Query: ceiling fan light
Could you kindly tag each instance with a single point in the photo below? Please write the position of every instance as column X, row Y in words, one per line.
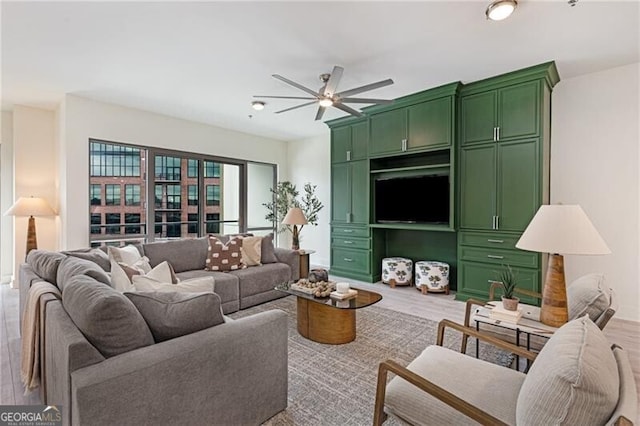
column 500, row 9
column 326, row 102
column 257, row 105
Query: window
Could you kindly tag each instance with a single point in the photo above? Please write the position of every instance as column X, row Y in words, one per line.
column 213, row 195
column 173, row 230
column 132, row 218
column 167, row 168
column 158, row 227
column 193, row 226
column 95, row 194
column 132, row 195
column 192, row 168
column 173, row 197
column 112, row 195
column 108, row 159
column 213, row 223
column 112, row 218
column 211, row 169
column 96, row 221
column 192, row 195
column 158, row 197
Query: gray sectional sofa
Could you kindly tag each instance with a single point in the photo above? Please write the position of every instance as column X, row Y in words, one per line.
column 232, row 373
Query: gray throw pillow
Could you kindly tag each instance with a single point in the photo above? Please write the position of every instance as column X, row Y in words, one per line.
column 268, row 253
column 108, row 320
column 173, row 314
column 587, row 295
column 573, row 381
column 45, row 264
column 95, row 255
column 72, row 266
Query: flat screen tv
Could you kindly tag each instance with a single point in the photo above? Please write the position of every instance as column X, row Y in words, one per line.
column 412, row 199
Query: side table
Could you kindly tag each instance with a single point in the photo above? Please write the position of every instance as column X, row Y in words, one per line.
column 304, row 262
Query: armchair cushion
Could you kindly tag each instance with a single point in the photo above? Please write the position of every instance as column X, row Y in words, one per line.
column 574, row 379
column 490, row 387
column 587, row 295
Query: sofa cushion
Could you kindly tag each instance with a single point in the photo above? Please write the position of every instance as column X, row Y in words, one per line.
column 194, row 285
column 72, row 266
column 574, row 380
column 99, row 257
column 268, row 254
column 172, row 314
column 45, row 264
column 251, row 251
column 108, row 319
column 253, row 281
column 227, row 285
column 183, row 255
column 223, row 257
column 587, row 295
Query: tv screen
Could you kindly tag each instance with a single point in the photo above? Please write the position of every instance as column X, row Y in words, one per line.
column 413, row 199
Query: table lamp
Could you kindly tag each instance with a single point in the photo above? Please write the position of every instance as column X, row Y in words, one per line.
column 31, row 206
column 295, row 217
column 559, row 229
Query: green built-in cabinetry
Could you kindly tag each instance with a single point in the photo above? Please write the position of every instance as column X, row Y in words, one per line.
column 503, row 175
column 490, row 137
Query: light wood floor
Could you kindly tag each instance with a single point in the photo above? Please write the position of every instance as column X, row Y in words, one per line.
column 403, row 299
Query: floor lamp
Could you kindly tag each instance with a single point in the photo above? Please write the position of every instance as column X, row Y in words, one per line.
column 560, row 229
column 295, row 217
column 31, row 206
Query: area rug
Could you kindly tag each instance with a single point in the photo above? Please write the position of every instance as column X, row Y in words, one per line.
column 336, row 384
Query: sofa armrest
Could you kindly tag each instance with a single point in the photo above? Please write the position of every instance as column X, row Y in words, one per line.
column 291, row 258
column 234, row 373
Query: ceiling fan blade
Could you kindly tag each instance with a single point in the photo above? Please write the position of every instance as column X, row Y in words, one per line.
column 283, row 97
column 320, row 112
column 367, row 101
column 365, row 88
column 294, row 84
column 347, row 109
column 334, row 79
column 296, row 107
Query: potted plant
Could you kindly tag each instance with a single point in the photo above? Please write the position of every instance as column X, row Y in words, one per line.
column 508, row 280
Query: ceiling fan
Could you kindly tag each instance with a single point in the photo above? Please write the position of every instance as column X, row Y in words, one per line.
column 327, row 95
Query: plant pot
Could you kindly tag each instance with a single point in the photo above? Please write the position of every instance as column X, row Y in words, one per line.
column 510, row 304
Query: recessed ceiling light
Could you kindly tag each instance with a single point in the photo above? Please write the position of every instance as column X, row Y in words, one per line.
column 257, row 105
column 500, row 9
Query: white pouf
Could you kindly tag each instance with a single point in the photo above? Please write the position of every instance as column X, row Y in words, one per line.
column 397, row 271
column 432, row 276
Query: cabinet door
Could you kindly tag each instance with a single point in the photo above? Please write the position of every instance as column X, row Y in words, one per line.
column 340, row 143
column 478, row 117
column 477, row 186
column 519, row 114
column 474, row 279
column 359, row 192
column 388, row 129
column 359, row 140
column 430, row 124
column 340, row 192
column 518, row 184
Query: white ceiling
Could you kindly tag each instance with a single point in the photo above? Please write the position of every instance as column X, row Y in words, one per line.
column 204, row 61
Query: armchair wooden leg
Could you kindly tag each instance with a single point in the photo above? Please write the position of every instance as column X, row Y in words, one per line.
column 379, row 416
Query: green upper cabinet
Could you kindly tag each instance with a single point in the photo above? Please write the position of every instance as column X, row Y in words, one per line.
column 388, row 132
column 350, row 192
column 429, row 124
column 501, row 114
column 349, row 142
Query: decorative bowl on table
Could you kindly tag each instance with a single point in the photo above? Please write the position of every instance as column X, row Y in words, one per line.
column 318, row 289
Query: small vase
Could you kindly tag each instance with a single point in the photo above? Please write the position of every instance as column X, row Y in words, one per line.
column 510, row 304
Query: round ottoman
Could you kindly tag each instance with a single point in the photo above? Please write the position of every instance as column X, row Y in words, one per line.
column 432, row 276
column 397, row 271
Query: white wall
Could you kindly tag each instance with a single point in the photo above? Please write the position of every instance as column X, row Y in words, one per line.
column 82, row 119
column 309, row 161
column 595, row 163
column 6, row 198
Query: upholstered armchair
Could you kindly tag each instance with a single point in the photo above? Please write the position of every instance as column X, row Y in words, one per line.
column 577, row 378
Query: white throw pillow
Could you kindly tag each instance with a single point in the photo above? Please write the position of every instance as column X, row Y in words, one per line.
column 127, row 254
column 251, row 251
column 193, row 285
column 122, row 275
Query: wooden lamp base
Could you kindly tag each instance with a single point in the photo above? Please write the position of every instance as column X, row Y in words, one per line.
column 32, row 242
column 295, row 241
column 554, row 311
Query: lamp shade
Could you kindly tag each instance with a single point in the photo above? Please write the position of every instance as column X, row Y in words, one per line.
column 30, row 206
column 295, row 216
column 562, row 229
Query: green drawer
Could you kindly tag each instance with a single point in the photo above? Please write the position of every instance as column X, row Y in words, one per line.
column 350, row 242
column 488, row 240
column 474, row 280
column 350, row 259
column 349, row 231
column 498, row 256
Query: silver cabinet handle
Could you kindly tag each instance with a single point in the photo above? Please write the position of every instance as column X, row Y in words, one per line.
column 347, row 242
column 493, row 222
column 404, row 145
column 494, row 281
column 497, row 133
column 494, row 134
column 348, row 217
column 495, row 241
column 348, row 155
column 497, row 222
column 493, row 256
column 348, row 231
column 348, row 259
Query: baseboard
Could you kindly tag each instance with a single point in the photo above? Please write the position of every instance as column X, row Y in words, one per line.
column 6, row 279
